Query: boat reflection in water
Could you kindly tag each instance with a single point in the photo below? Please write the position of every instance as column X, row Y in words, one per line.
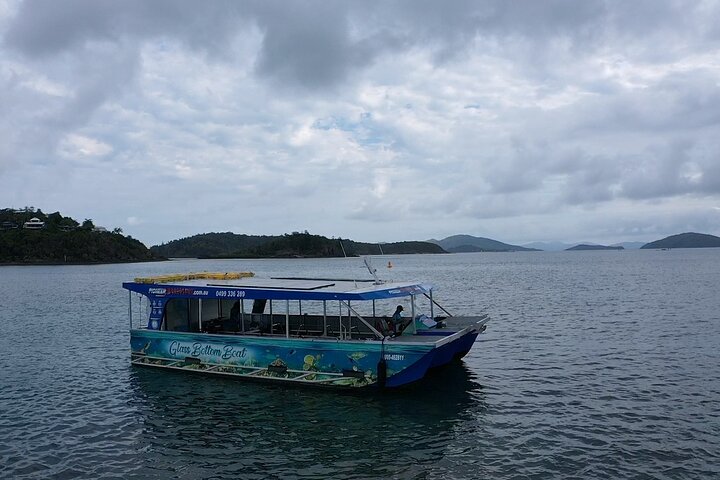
column 199, row 427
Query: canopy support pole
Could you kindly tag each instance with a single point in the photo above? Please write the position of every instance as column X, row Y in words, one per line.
column 340, row 325
column 432, row 305
column 372, row 329
column 440, row 306
column 324, row 318
column 287, row 318
column 412, row 307
column 130, row 308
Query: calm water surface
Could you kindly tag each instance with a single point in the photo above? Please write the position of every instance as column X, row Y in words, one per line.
column 595, row 365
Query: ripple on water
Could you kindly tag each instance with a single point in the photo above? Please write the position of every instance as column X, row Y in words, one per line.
column 595, row 365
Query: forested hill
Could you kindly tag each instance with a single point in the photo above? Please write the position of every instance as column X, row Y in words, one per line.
column 55, row 239
column 296, row 244
column 686, row 240
column 210, row 245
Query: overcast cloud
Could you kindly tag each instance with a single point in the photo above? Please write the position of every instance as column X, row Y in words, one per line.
column 379, row 121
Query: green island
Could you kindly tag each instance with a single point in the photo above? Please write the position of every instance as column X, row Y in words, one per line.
column 28, row 236
column 31, row 237
column 292, row 245
column 686, row 240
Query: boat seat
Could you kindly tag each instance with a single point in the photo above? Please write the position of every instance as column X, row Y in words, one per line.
column 382, row 325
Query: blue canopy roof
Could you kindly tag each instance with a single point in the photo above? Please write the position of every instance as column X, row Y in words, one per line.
column 279, row 289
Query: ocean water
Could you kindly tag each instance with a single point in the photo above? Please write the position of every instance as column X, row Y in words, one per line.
column 595, row 365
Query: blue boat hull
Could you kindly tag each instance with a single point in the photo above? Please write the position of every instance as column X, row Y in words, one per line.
column 313, row 361
column 453, row 350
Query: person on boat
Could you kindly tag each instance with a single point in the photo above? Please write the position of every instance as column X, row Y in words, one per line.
column 397, row 320
column 235, row 316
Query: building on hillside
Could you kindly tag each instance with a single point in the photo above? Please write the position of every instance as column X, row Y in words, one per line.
column 34, row 224
column 8, row 226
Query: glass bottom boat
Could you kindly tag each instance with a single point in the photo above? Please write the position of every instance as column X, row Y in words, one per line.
column 310, row 331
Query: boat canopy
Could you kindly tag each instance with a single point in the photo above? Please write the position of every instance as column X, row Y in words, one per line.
column 247, row 287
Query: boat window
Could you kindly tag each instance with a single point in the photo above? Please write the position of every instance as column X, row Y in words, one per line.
column 307, row 318
column 181, row 314
column 177, row 315
column 193, row 313
column 224, row 309
column 213, row 309
column 259, row 305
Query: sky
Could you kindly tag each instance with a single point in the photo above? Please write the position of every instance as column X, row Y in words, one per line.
column 378, row 121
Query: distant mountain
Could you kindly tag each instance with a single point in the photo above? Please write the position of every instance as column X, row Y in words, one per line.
column 629, row 245
column 686, row 240
column 468, row 243
column 560, row 246
column 584, row 246
column 548, row 246
column 296, row 244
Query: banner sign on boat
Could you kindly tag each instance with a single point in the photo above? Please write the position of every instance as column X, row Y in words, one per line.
column 295, row 354
column 206, row 350
column 301, row 291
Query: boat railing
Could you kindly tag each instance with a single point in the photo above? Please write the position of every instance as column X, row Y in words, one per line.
column 350, row 320
column 300, row 326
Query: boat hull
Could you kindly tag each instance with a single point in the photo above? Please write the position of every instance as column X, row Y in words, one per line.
column 322, row 362
column 454, row 350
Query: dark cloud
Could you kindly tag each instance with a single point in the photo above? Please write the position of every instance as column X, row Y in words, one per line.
column 42, row 28
column 317, row 44
column 46, row 27
column 310, row 48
